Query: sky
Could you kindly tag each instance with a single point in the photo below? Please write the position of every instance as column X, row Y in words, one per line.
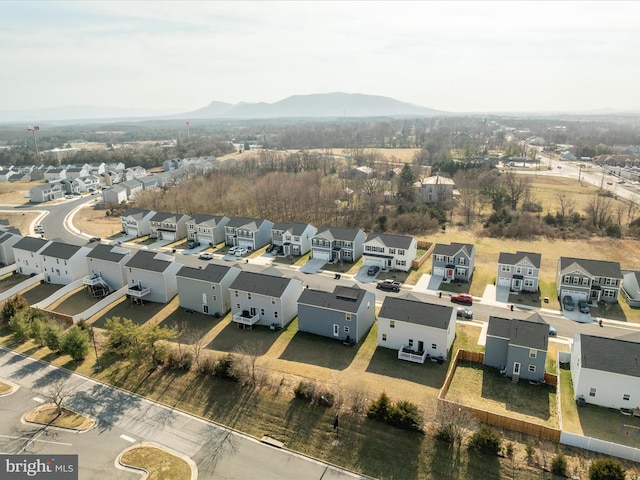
column 454, row 56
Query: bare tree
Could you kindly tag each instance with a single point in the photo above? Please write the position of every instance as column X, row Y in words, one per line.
column 517, row 188
column 454, row 421
column 566, row 204
column 58, row 393
column 245, row 367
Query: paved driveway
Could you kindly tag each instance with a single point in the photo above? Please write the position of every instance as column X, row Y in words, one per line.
column 125, row 420
column 313, row 266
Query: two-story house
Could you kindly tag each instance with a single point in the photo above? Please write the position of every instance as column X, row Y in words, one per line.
column 7, row 242
column 416, row 329
column 55, row 174
column 590, row 280
column 435, row 189
column 207, row 229
column 46, row 192
column 389, row 252
column 106, row 269
column 337, row 243
column 114, row 194
column 27, row 255
column 250, row 233
column 345, row 314
column 206, row 290
column 151, row 276
column 518, row 347
column 63, row 263
column 136, row 222
column 265, row 298
column 168, row 226
column 519, row 271
column 291, row 238
column 454, row 262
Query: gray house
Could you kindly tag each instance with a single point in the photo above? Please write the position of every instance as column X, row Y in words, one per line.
column 206, row 290
column 207, row 229
column 27, row 255
column 519, row 271
column 337, row 243
column 151, row 277
column 346, row 314
column 631, row 288
column 454, row 262
column 265, row 298
column 292, row 238
column 7, row 241
column 46, row 192
column 135, row 222
column 590, row 280
column 106, row 269
column 251, row 233
column 518, row 347
column 168, row 226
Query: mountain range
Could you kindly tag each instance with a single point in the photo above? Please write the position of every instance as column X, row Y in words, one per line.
column 325, row 105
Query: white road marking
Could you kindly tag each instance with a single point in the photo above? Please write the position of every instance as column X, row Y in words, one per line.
column 127, row 438
column 41, row 441
column 38, row 399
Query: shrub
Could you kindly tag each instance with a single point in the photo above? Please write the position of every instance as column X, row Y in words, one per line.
column 326, row 399
column 606, row 469
column 12, row 306
column 559, row 464
column 76, row 343
column 179, row 360
column 305, row 391
column 405, row 415
column 53, row 336
column 207, row 366
column 36, row 331
column 224, row 367
column 19, row 325
column 379, row 409
column 485, row 441
column 531, row 451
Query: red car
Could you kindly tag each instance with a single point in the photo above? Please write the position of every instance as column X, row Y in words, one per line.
column 463, row 298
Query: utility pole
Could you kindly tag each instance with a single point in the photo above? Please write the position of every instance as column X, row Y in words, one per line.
column 95, row 348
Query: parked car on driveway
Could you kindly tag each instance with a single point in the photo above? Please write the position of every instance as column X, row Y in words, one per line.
column 373, row 270
column 462, row 298
column 583, row 306
column 206, row 256
column 388, row 286
column 568, row 303
column 193, row 244
column 552, row 331
column 241, row 251
column 464, row 312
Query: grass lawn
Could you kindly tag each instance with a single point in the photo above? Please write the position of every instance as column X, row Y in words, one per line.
column 39, row 292
column 160, row 464
column 483, row 387
column 552, row 355
column 139, row 314
column 95, row 221
column 11, row 280
column 76, row 302
column 48, row 414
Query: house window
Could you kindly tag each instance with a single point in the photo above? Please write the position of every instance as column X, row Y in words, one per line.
column 401, row 263
column 626, row 397
column 214, row 298
column 249, row 295
column 608, row 293
column 529, row 271
column 518, row 269
column 410, row 342
column 348, row 316
column 346, row 329
column 392, row 251
column 275, row 314
column 566, row 279
column 384, row 337
column 585, row 281
column 236, row 293
column 528, row 283
column 434, row 346
column 505, row 268
column 461, row 272
column 592, row 392
column 400, row 251
column 576, row 280
column 273, row 301
column 533, row 353
column 238, row 306
column 532, row 368
column 462, row 261
column 262, row 312
column 392, row 323
column 204, row 298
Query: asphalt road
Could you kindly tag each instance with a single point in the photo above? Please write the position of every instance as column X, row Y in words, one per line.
column 124, row 420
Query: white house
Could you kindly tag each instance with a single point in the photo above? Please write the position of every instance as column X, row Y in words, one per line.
column 27, row 255
column 63, row 263
column 168, row 226
column 265, row 298
column 114, row 194
column 389, row 252
column 291, row 238
column 7, row 241
column 46, row 192
column 605, row 371
column 207, row 229
column 151, row 277
column 106, row 271
column 416, row 329
column 136, row 222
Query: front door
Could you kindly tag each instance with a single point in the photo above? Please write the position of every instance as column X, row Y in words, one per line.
column 253, row 311
column 336, row 330
column 516, row 285
column 449, row 272
column 421, row 346
column 516, row 368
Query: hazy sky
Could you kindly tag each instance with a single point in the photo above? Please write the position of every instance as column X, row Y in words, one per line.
column 454, row 56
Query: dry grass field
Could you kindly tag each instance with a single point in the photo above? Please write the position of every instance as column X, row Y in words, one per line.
column 399, row 155
column 13, row 193
column 95, row 222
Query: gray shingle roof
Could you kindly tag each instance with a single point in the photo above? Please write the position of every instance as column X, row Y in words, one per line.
column 338, row 233
column 6, row 236
column 532, row 332
column 513, row 258
column 212, row 273
column 30, row 244
column 163, row 217
column 612, row 355
column 393, row 241
column 597, row 268
column 452, row 249
column 200, row 218
column 419, row 313
column 260, row 284
column 109, row 253
column 146, row 260
column 343, row 299
column 136, row 213
column 238, row 222
column 60, row 250
column 295, row 228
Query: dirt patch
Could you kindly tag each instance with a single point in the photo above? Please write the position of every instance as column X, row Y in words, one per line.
column 48, row 415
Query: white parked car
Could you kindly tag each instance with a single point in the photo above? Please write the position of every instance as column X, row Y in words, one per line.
column 241, row 251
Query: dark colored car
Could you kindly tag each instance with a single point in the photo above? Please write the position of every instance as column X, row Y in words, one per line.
column 583, row 306
column 388, row 286
column 568, row 303
column 94, row 239
column 374, row 269
column 552, row 331
column 462, row 298
column 191, row 245
column 464, row 312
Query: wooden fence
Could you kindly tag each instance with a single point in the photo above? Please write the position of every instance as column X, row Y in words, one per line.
column 490, row 418
column 417, row 263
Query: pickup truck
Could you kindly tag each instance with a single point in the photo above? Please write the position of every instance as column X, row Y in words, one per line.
column 388, row 286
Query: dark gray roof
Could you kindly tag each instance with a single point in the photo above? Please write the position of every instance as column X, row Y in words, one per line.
column 452, row 249
column 338, row 233
column 145, row 260
column 344, row 299
column 295, row 228
column 532, row 332
column 30, row 244
column 260, row 284
column 212, row 273
column 199, row 218
column 6, row 236
column 238, row 222
column 513, row 258
column 134, row 182
column 613, row 355
column 136, row 213
column 596, row 268
column 163, row 216
column 106, row 252
column 419, row 313
column 393, row 241
column 60, row 250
